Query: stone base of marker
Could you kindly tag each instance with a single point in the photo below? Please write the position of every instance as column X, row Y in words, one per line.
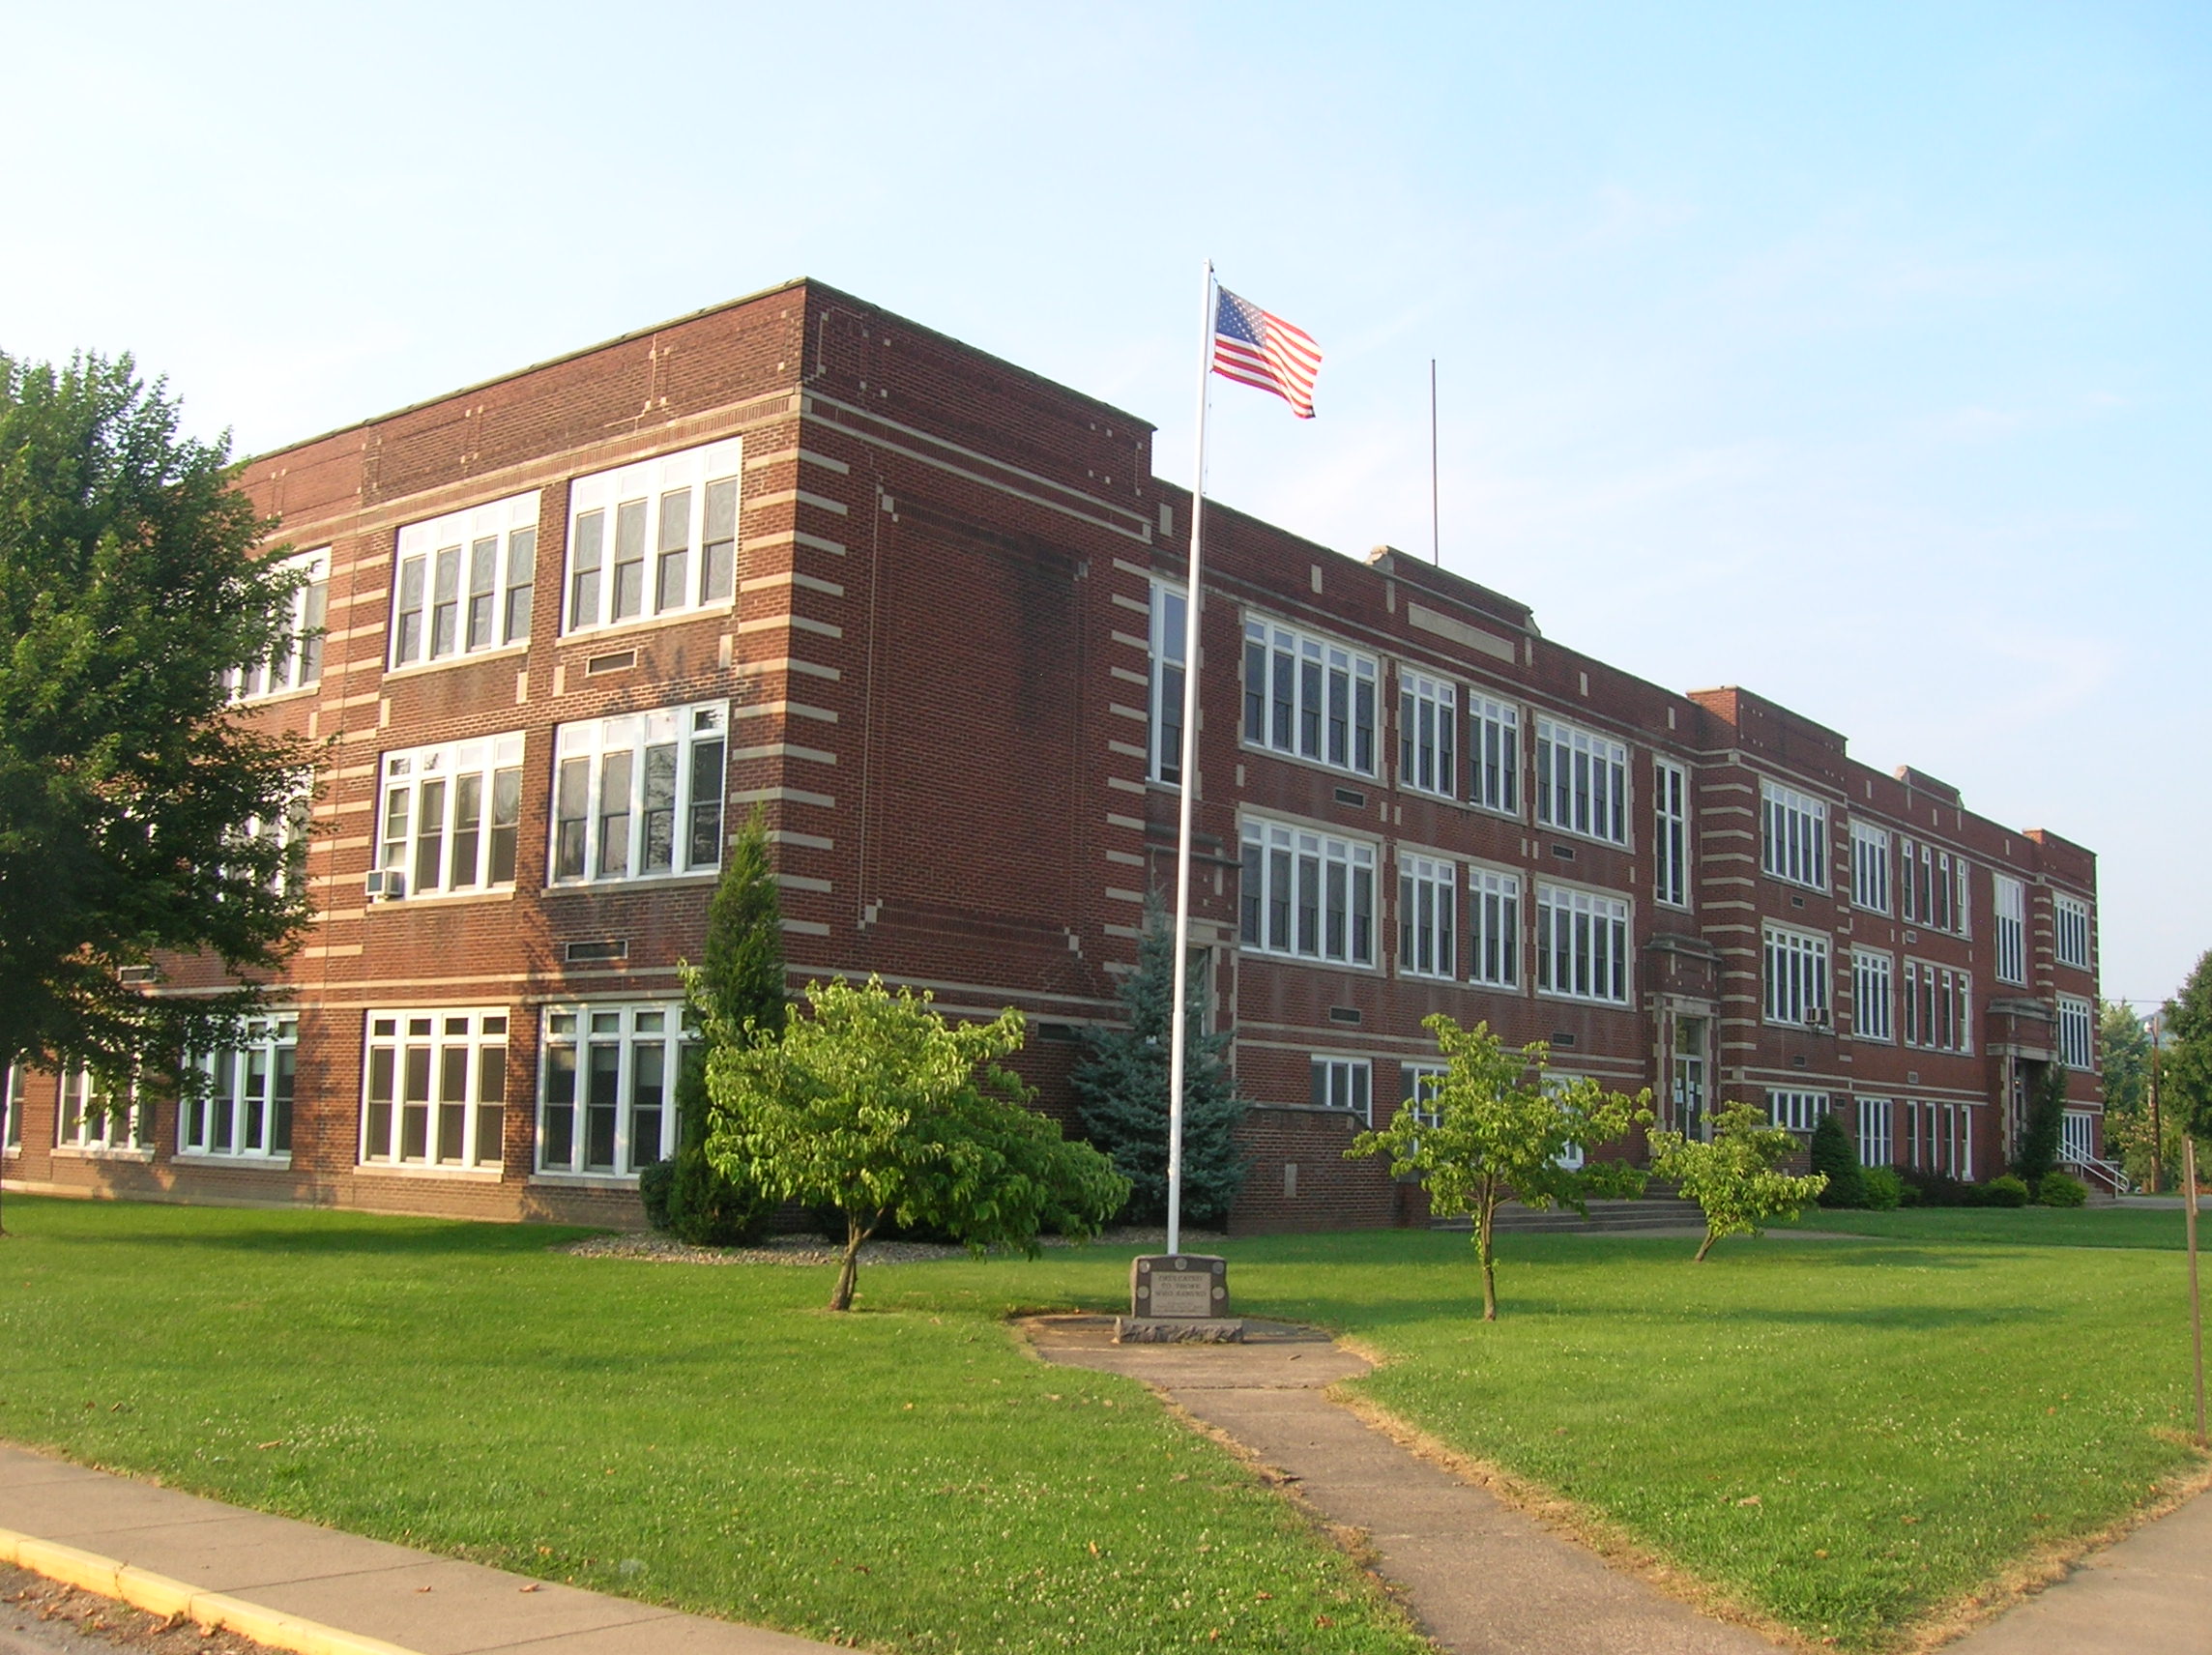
column 1177, row 1298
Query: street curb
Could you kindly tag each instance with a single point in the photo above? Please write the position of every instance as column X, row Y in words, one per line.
column 158, row 1594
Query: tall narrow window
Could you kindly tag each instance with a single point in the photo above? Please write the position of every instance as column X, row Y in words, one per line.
column 606, row 1099
column 1428, row 725
column 1873, row 996
column 435, row 1089
column 2010, row 904
column 1494, row 927
column 2076, row 1019
column 1493, row 754
column 1671, row 842
column 448, row 815
column 1869, row 868
column 1169, row 624
column 12, row 1102
column 1876, row 1147
column 1793, row 841
column 640, row 795
column 656, row 537
column 297, row 660
column 1427, row 897
column 1319, row 698
column 2070, row 916
column 1581, row 782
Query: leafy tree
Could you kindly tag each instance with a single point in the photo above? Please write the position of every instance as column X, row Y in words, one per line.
column 874, row 1104
column 2185, row 1068
column 1122, row 1091
column 1492, row 1128
column 738, row 995
column 1837, row 1158
column 2123, row 1041
column 1733, row 1179
column 130, row 782
column 2041, row 1132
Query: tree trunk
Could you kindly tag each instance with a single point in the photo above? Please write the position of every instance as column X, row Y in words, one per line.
column 1705, row 1246
column 1486, row 1251
column 856, row 1236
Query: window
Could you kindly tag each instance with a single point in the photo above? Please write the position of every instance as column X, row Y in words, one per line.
column 1873, row 1007
column 639, row 795
column 1932, row 889
column 2077, row 1136
column 1796, row 977
column 1428, row 895
column 11, row 1105
column 1342, row 1082
column 286, row 834
column 2012, row 931
column 2071, row 915
column 1940, row 1137
column 463, row 582
column 449, row 817
column 1938, row 1005
column 1581, row 782
column 296, row 662
column 1308, row 697
column 1417, row 1084
column 1428, row 719
column 1876, row 1147
column 1169, row 623
column 1869, row 868
column 1308, row 895
column 1799, row 1111
column 95, row 1119
column 607, row 1103
column 437, row 1088
column 1582, row 944
column 245, row 1107
column 1670, row 835
column 1793, row 845
column 1494, row 928
column 1494, row 755
column 658, row 538
column 2075, row 1020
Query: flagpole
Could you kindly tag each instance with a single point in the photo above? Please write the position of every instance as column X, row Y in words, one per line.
column 1178, row 1030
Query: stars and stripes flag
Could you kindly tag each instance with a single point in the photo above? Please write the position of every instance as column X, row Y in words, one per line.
column 1263, row 351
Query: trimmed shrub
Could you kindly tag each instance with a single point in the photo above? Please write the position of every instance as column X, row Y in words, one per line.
column 1833, row 1153
column 2003, row 1190
column 2062, row 1189
column 710, row 1209
column 2040, row 1133
column 1884, row 1190
column 1614, row 1180
column 1935, row 1189
column 653, row 1186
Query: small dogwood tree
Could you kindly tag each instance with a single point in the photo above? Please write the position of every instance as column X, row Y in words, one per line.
column 1733, row 1179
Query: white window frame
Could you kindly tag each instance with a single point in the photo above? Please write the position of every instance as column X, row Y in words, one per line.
column 2070, row 930
column 1874, row 996
column 618, row 1042
column 1583, row 942
column 2011, row 927
column 456, row 1123
column 1494, row 755
column 1876, row 1132
column 1796, row 1110
column 464, row 583
column 85, row 1124
column 1428, row 734
column 13, row 1101
column 1931, row 886
column 1870, row 867
column 1793, row 835
column 2077, row 1041
column 1417, row 1084
column 242, row 1109
column 1671, row 833
column 2077, row 1136
column 1494, row 927
column 600, row 764
column 289, row 832
column 439, row 804
column 1163, row 751
column 297, row 661
column 682, row 567
column 1938, row 1008
column 1427, row 907
column 1324, row 679
column 1344, row 1084
column 1277, row 857
column 1796, row 976
column 1582, row 781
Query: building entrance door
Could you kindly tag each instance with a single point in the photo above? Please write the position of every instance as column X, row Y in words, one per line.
column 1690, row 1076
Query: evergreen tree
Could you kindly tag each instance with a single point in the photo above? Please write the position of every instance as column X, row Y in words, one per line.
column 736, row 995
column 1835, row 1155
column 2040, row 1133
column 1122, row 1091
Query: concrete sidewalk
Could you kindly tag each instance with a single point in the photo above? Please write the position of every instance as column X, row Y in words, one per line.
column 373, row 1590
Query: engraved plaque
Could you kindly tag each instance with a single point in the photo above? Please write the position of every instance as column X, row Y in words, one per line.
column 1188, row 1286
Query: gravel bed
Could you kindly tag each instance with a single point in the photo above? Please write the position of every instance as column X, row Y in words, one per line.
column 662, row 1249
column 38, row 1615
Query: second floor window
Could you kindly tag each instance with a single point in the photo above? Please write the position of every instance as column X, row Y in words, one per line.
column 640, row 795
column 1581, row 782
column 1671, row 824
column 1494, row 929
column 449, row 817
column 1428, row 720
column 1582, row 944
column 1793, row 840
column 297, row 661
column 463, row 582
column 2076, row 1018
column 1308, row 697
column 1938, row 1007
column 1170, row 618
column 2071, row 916
column 658, row 537
column 1873, row 996
column 1308, row 895
column 2012, row 931
column 1428, row 893
column 1796, row 977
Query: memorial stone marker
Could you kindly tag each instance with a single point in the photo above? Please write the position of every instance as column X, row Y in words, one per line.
column 1179, row 1297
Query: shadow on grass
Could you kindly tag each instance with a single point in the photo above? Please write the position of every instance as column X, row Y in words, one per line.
column 286, row 1230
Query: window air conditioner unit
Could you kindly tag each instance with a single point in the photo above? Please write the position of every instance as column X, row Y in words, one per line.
column 387, row 885
column 1815, row 1017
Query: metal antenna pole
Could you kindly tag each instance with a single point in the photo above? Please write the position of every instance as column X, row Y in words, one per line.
column 1435, row 519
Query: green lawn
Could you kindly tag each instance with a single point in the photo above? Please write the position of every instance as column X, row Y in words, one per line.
column 1846, row 1435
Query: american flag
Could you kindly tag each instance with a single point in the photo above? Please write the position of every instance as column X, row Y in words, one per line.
column 1256, row 349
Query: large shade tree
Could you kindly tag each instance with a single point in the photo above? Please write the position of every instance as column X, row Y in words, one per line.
column 138, row 803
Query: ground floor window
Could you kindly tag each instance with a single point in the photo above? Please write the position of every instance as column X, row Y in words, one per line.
column 436, row 1094
column 95, row 1117
column 1342, row 1082
column 11, row 1105
column 1939, row 1138
column 244, row 1109
column 1417, row 1084
column 606, row 1097
column 1876, row 1140
column 1799, row 1111
column 2077, row 1133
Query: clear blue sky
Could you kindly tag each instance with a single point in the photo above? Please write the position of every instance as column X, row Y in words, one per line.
column 1856, row 355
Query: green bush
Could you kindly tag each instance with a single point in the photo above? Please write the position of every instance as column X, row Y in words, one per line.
column 1885, row 1191
column 1833, row 1154
column 709, row 1209
column 2003, row 1190
column 1614, row 1180
column 653, row 1186
column 2061, row 1189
